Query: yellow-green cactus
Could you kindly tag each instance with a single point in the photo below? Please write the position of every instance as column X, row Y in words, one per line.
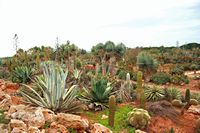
column 138, row 118
column 112, row 109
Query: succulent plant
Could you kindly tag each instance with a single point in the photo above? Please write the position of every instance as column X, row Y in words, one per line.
column 55, row 94
column 193, row 102
column 112, row 109
column 138, row 118
column 177, row 103
column 187, row 96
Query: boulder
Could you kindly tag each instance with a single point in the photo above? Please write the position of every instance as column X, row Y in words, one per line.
column 54, row 127
column 18, row 130
column 33, row 130
column 72, row 121
column 98, row 128
column 194, row 109
column 49, row 115
column 30, row 115
column 18, row 124
column 5, row 101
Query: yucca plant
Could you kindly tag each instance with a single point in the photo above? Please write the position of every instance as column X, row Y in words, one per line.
column 154, row 94
column 100, row 92
column 55, row 94
column 22, row 74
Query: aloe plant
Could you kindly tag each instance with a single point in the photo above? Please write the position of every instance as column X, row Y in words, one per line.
column 55, row 94
column 100, row 92
column 22, row 74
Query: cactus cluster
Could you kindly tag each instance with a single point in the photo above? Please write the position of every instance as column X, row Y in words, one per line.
column 112, row 109
column 193, row 102
column 138, row 118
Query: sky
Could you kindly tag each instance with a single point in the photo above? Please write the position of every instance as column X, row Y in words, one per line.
column 88, row 22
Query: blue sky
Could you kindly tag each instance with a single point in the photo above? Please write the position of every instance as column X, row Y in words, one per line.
column 88, row 22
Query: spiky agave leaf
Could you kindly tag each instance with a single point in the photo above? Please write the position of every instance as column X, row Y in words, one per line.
column 154, row 94
column 55, row 95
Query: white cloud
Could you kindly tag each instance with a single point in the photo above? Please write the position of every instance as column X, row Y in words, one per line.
column 85, row 23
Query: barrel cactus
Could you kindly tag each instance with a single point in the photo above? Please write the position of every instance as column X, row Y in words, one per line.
column 177, row 103
column 193, row 102
column 138, row 118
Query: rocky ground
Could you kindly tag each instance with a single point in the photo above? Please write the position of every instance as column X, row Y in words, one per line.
column 23, row 118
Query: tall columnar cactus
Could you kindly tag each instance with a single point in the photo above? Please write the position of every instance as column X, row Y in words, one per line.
column 112, row 109
column 187, row 96
column 140, row 92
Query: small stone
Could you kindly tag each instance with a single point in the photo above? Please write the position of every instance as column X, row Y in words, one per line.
column 104, row 117
column 98, row 128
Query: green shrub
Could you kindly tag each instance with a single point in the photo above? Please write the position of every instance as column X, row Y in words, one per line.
column 176, row 70
column 177, row 103
column 3, row 119
column 160, row 78
column 4, row 74
column 55, row 95
column 195, row 96
column 172, row 93
column 154, row 93
column 22, row 74
column 138, row 118
column 179, row 79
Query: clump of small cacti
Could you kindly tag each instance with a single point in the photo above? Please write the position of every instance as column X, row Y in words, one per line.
column 193, row 102
column 138, row 118
column 112, row 109
column 177, row 103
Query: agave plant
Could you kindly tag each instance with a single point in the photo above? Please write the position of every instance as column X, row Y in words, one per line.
column 22, row 74
column 77, row 74
column 154, row 94
column 100, row 92
column 55, row 94
column 172, row 93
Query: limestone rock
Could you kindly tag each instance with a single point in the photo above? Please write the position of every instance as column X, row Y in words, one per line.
column 5, row 101
column 98, row 128
column 72, row 121
column 33, row 130
column 194, row 109
column 30, row 115
column 18, row 124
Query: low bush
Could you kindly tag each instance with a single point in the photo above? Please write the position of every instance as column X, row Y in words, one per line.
column 176, row 70
column 179, row 79
column 160, row 78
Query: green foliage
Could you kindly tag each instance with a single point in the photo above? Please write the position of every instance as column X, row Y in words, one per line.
column 112, row 109
column 172, row 93
column 55, row 95
column 187, row 96
column 120, row 119
column 146, row 62
column 195, row 96
column 176, row 70
column 4, row 74
column 179, row 79
column 193, row 102
column 3, row 119
column 22, row 74
column 177, row 103
column 154, row 94
column 138, row 118
column 160, row 78
column 100, row 92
